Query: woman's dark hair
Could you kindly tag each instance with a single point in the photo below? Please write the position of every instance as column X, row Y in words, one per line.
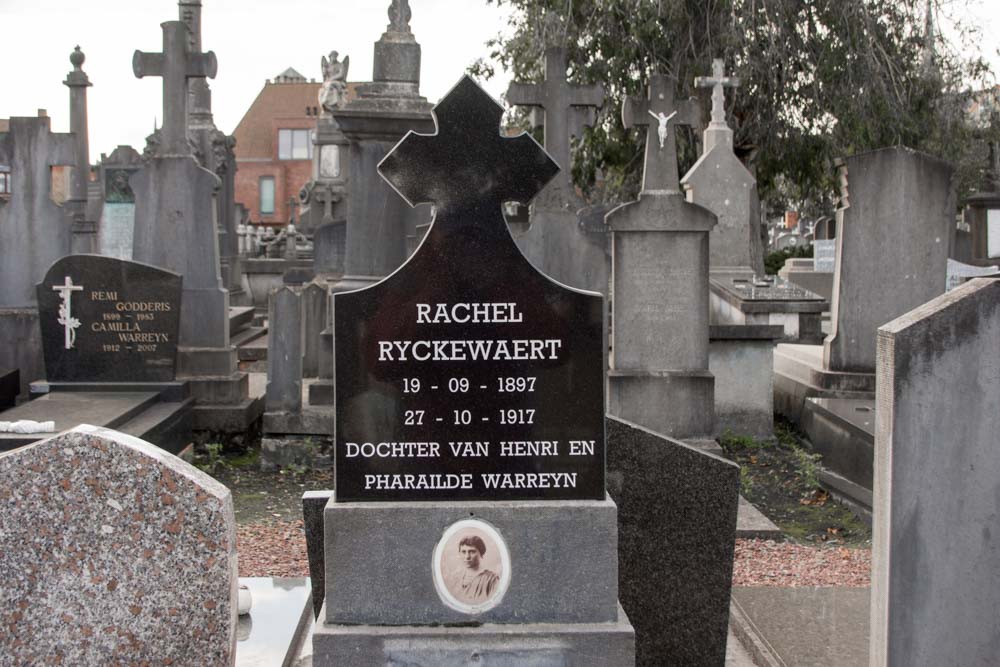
column 473, row 541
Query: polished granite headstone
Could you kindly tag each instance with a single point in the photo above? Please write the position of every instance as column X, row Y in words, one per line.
column 9, row 387
column 114, row 552
column 109, row 320
column 467, row 374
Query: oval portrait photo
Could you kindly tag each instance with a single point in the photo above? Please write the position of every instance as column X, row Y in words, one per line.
column 471, row 566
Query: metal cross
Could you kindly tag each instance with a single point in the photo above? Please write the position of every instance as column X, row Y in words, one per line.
column 65, row 311
column 660, row 172
column 176, row 64
column 561, row 102
column 717, row 82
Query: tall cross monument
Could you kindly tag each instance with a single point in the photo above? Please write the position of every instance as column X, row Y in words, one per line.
column 559, row 99
column 718, row 130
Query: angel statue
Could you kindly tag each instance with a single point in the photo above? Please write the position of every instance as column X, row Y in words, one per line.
column 334, row 90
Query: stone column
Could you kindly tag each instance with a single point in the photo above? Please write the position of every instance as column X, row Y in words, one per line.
column 84, row 231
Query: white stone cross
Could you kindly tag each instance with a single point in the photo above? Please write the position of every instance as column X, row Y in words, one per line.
column 717, row 82
column 66, row 319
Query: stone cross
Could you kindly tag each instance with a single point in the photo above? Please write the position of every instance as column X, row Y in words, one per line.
column 717, row 82
column 458, row 175
column 661, row 148
column 176, row 64
column 66, row 318
column 558, row 98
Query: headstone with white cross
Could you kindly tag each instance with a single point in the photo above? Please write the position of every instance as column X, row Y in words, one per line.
column 176, row 229
column 719, row 182
column 659, row 248
column 470, row 379
column 557, row 242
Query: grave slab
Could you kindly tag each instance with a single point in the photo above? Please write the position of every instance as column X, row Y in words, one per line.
column 67, row 409
column 803, row 626
column 271, row 635
column 124, row 551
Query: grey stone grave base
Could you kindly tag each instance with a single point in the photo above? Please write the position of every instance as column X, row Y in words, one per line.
column 801, row 272
column 562, row 559
column 799, row 374
column 741, row 357
column 643, row 396
column 496, row 645
column 157, row 413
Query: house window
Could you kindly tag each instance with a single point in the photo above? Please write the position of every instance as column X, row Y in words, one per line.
column 4, row 180
column 294, row 145
column 267, row 195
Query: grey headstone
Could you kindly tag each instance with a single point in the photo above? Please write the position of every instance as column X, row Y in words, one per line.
column 116, row 226
column 676, row 532
column 935, row 571
column 114, row 552
column 284, row 351
column 892, row 248
column 314, row 320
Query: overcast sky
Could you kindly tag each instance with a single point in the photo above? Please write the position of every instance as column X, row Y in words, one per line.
column 253, row 40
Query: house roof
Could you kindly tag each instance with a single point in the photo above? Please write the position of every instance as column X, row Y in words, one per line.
column 288, row 97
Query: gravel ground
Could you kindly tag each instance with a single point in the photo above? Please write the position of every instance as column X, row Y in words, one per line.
column 770, row 563
column 278, row 549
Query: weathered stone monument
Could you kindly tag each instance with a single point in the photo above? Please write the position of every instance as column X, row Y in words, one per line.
column 892, row 248
column 114, row 552
column 935, row 572
column 116, row 229
column 378, row 223
column 470, row 379
column 719, row 182
column 34, row 232
column 741, row 293
column 215, row 153
column 324, row 203
column 556, row 241
column 176, row 228
column 659, row 247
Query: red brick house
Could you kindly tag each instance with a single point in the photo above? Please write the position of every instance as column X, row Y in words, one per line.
column 274, row 146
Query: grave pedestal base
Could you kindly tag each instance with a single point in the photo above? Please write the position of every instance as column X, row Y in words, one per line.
column 536, row 644
column 676, row 404
column 563, row 558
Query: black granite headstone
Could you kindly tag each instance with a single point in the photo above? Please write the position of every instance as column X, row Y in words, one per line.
column 467, row 374
column 109, row 320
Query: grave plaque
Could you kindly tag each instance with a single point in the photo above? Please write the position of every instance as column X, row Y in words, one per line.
column 467, row 374
column 824, row 255
column 108, row 320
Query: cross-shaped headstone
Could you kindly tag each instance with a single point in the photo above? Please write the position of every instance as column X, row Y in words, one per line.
column 660, row 112
column 176, row 64
column 558, row 98
column 467, row 169
column 66, row 310
column 717, row 82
